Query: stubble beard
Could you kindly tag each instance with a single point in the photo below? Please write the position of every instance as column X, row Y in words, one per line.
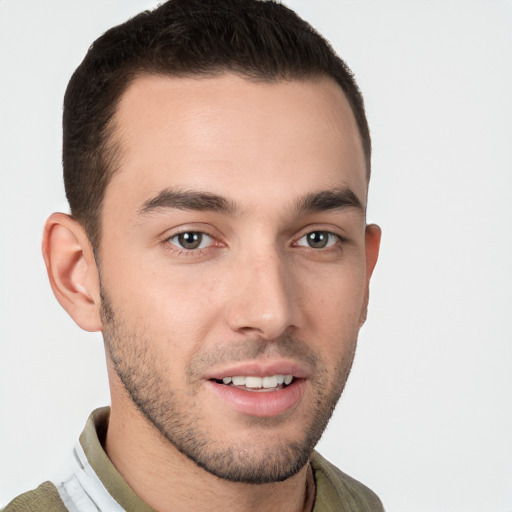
column 180, row 423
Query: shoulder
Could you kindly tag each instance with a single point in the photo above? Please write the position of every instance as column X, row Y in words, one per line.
column 44, row 498
column 339, row 491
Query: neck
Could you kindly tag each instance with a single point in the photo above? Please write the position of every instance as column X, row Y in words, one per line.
column 167, row 480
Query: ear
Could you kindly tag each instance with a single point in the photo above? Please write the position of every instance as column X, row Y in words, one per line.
column 72, row 270
column 372, row 242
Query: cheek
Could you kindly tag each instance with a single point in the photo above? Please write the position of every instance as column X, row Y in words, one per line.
column 173, row 306
column 333, row 312
column 336, row 296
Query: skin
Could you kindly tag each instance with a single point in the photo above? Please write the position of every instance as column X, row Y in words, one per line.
column 255, row 294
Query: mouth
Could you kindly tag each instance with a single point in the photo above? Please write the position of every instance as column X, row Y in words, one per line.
column 259, row 392
column 257, row 384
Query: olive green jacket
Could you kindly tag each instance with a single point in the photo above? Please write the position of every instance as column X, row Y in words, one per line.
column 335, row 491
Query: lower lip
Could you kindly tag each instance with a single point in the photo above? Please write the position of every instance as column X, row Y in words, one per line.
column 260, row 403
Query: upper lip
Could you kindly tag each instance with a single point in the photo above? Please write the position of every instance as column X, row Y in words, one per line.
column 259, row 369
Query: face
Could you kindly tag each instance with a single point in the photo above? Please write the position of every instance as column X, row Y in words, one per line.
column 234, row 265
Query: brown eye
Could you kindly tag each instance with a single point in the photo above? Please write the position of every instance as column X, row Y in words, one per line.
column 318, row 240
column 191, row 240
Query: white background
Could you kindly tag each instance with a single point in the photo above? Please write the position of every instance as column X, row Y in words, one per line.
column 426, row 419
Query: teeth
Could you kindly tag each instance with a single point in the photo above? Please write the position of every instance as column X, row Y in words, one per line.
column 253, row 382
column 239, row 381
column 269, row 382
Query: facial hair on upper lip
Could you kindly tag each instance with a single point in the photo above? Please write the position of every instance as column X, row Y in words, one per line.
column 256, row 349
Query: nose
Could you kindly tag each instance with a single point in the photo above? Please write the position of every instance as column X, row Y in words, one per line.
column 265, row 299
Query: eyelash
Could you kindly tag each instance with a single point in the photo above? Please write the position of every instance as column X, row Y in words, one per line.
column 190, row 251
column 334, row 240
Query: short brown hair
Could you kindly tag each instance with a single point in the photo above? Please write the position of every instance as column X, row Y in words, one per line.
column 261, row 40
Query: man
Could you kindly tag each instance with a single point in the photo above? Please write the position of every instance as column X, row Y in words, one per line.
column 216, row 161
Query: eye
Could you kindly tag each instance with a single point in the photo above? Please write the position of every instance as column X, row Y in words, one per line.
column 318, row 240
column 190, row 240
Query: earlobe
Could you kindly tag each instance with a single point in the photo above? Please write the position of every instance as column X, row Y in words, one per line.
column 372, row 243
column 72, row 270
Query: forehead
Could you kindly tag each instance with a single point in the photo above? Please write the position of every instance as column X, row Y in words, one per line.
column 227, row 134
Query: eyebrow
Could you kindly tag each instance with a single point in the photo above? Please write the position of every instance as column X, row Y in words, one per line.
column 188, row 200
column 324, row 200
column 335, row 199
